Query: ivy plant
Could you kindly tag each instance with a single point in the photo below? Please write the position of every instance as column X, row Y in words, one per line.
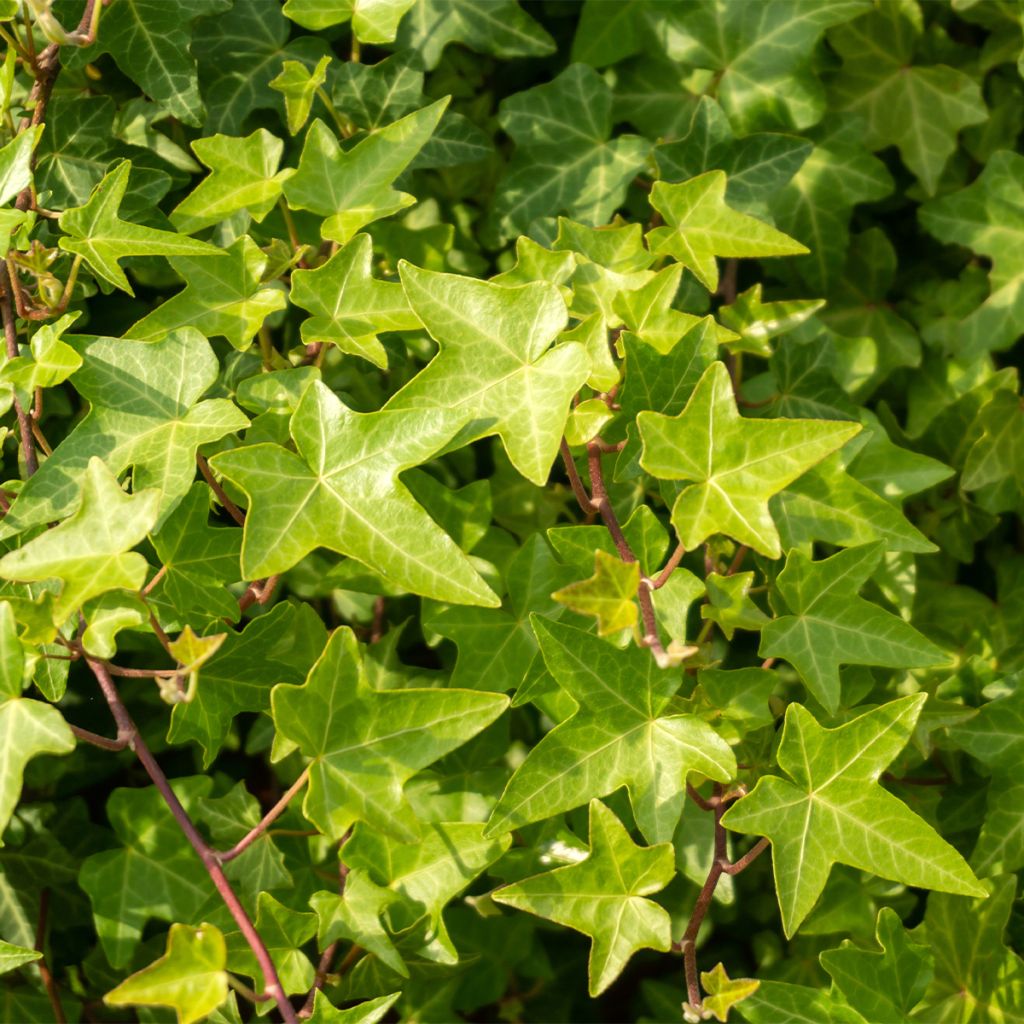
column 511, row 511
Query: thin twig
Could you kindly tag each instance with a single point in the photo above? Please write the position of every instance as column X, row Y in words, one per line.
column 121, row 743
column 670, row 567
column 28, row 445
column 704, row 805
column 44, row 970
column 585, row 502
column 737, row 561
column 269, row 818
column 747, row 859
column 229, row 506
column 126, row 726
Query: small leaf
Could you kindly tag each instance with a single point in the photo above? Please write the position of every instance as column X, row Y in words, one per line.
column 12, row 957
column 609, row 595
column 723, row 992
column 298, row 85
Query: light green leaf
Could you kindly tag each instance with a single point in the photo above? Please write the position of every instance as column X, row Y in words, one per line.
column 369, row 1012
column 12, row 957
column 623, row 733
column 341, row 491
column 373, row 21
column 835, row 812
column 298, row 85
column 51, row 363
column 735, row 464
column 243, row 176
column 603, row 896
column 190, row 977
column 609, row 595
column 723, row 992
column 830, row 625
column 353, row 187
column 145, row 413
column 700, row 226
column 366, row 744
column 999, row 453
column 97, row 233
column 494, row 362
column 349, row 307
column 91, row 551
column 729, row 604
column 16, row 163
column 757, row 322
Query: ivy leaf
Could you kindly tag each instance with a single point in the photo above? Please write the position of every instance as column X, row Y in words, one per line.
column 341, row 491
column 735, row 464
column 298, row 85
column 778, row 1002
column 885, row 985
column 190, row 977
column 243, row 176
column 501, row 28
column 723, row 992
column 998, row 454
column 603, row 896
column 152, row 45
column 101, row 237
column 369, row 1012
column 830, row 625
column 373, row 21
column 145, row 413
column 91, row 551
column 880, row 81
column 757, row 322
column 12, row 957
column 623, row 733
column 982, row 217
column 284, row 932
column 51, row 362
column 349, row 307
column 353, row 187
column 729, row 604
column 366, row 744
column 565, row 161
column 700, row 226
column 610, row 594
column 494, row 362
column 223, row 296
column 16, row 163
column 834, row 812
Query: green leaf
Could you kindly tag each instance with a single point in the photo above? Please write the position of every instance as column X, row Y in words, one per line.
column 223, row 296
column 91, row 551
column 609, row 595
column 145, row 413
column 564, row 160
column 12, row 957
column 353, row 187
column 700, row 226
column 723, row 992
column 51, row 363
column 623, row 733
column 349, row 307
column 190, row 977
column 284, row 932
column 999, row 453
column 880, row 81
column 778, row 1002
column 366, row 744
column 757, row 322
column 369, row 1012
column 243, row 176
column 16, row 163
column 373, row 21
column 729, row 604
column 494, row 362
column 96, row 232
column 885, row 985
column 735, row 464
column 829, row 625
column 834, row 812
column 341, row 491
column 298, row 85
column 603, row 896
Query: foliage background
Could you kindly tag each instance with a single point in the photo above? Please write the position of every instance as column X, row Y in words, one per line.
column 881, row 137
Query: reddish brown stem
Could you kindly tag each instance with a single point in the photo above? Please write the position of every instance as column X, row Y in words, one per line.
column 747, row 859
column 670, row 567
column 126, row 727
column 737, row 561
column 97, row 740
column 269, row 818
column 583, row 499
column 44, row 970
column 28, row 444
column 229, row 506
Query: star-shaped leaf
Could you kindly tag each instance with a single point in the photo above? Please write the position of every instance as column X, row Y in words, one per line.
column 369, row 1012
column 835, row 812
column 735, row 464
column 353, row 187
column 723, row 992
column 349, row 307
column 998, row 454
column 366, row 744
column 757, row 322
column 830, row 625
column 494, row 362
column 190, row 977
column 565, row 161
column 730, row 605
column 623, row 733
column 884, row 985
column 298, row 84
column 880, row 81
column 243, row 176
column 223, row 296
column 609, row 595
column 145, row 413
column 51, row 361
column 96, row 232
column 603, row 896
column 341, row 491
column 699, row 226
column 91, row 552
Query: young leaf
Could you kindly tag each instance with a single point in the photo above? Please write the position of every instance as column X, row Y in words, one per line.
column 367, row 744
column 723, row 992
column 604, row 896
column 735, row 464
column 835, row 812
column 610, row 594
column 12, row 957
column 623, row 733
column 298, row 85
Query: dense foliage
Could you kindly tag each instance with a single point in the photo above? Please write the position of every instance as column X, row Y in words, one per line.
column 477, row 476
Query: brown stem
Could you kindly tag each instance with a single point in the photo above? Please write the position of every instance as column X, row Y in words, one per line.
column 704, row 805
column 161, row 572
column 28, row 445
column 670, row 567
column 44, row 970
column 269, row 818
column 737, row 561
column 229, row 506
column 258, row 592
column 97, row 740
column 747, row 859
column 584, row 499
column 378, row 624
column 126, row 726
column 323, row 968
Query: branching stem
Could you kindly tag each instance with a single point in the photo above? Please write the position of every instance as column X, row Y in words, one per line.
column 269, row 818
